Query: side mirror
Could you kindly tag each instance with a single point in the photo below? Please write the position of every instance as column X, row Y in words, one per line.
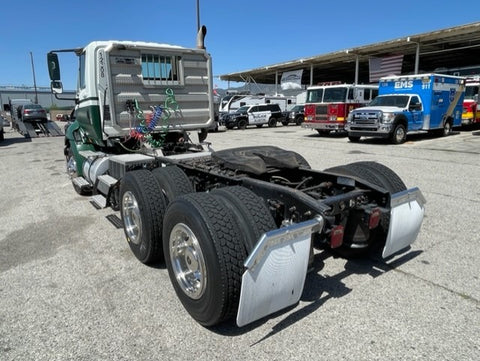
column 53, row 66
column 56, row 87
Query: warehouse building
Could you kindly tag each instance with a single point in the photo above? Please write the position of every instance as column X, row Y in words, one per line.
column 454, row 50
column 39, row 95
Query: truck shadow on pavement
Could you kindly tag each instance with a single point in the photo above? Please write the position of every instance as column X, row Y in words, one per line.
column 319, row 289
column 411, row 138
column 333, row 135
column 11, row 141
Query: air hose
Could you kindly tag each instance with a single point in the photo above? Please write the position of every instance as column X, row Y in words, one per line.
column 143, row 132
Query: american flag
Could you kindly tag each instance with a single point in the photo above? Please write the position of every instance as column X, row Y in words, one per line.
column 391, row 65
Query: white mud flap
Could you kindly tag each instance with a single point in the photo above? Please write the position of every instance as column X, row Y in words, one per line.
column 406, row 216
column 276, row 271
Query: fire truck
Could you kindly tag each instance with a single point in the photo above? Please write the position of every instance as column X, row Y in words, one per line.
column 470, row 114
column 328, row 104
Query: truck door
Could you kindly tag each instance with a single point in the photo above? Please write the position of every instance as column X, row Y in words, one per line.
column 258, row 115
column 252, row 115
column 416, row 109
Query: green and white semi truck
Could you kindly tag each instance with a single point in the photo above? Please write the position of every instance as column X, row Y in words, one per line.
column 236, row 228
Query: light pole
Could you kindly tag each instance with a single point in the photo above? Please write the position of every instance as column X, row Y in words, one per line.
column 34, row 81
column 198, row 15
column 417, row 53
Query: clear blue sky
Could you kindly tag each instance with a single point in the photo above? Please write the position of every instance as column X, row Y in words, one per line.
column 241, row 34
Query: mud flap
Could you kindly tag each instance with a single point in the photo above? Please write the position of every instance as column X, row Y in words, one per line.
column 406, row 216
column 276, row 271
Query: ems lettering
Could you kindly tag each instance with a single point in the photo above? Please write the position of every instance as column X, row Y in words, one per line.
column 405, row 84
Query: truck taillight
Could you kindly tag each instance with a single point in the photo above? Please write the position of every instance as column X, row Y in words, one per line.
column 336, row 236
column 374, row 219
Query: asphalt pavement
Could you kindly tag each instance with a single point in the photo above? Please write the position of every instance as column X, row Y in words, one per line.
column 70, row 288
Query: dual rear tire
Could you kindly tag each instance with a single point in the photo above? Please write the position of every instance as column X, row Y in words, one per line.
column 204, row 238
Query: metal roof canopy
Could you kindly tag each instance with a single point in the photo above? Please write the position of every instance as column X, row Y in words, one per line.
column 447, row 48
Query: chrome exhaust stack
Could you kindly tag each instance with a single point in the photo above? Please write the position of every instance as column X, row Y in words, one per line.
column 201, row 37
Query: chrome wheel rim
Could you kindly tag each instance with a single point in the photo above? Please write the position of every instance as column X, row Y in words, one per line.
column 131, row 217
column 400, row 134
column 446, row 129
column 71, row 166
column 188, row 263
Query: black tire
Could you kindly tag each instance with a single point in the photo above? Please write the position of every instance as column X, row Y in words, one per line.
column 272, row 122
column 259, row 125
column 299, row 120
column 204, row 255
column 251, row 213
column 387, row 177
column 142, row 207
column 323, row 132
column 399, row 134
column 372, row 172
column 354, row 244
column 242, row 124
column 354, row 138
column 285, row 123
column 2, row 135
column 173, row 181
column 447, row 129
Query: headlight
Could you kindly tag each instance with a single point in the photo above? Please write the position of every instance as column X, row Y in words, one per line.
column 350, row 117
column 387, row 117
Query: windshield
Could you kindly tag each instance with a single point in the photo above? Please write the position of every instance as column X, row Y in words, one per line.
column 242, row 109
column 225, row 100
column 334, row 95
column 32, row 106
column 399, row 101
column 315, row 95
column 471, row 91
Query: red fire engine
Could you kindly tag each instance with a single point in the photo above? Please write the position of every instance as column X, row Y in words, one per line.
column 328, row 104
column 471, row 113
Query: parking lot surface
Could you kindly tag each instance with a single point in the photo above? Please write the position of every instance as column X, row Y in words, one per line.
column 72, row 290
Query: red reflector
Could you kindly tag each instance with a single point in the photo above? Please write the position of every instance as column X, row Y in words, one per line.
column 374, row 218
column 336, row 237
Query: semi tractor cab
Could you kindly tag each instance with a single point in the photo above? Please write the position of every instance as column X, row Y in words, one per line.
column 328, row 104
column 237, row 227
column 407, row 104
column 471, row 113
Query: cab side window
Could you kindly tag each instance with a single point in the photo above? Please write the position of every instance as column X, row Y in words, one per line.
column 415, row 103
